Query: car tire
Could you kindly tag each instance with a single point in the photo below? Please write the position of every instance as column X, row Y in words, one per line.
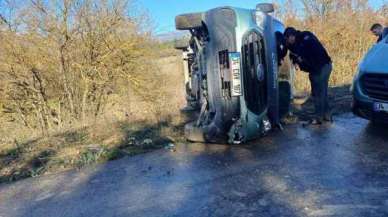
column 265, row 7
column 188, row 21
column 182, row 44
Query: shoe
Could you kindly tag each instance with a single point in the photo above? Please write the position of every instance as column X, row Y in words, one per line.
column 328, row 118
column 314, row 121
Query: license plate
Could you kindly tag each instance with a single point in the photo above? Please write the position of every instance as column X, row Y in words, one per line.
column 381, row 107
column 236, row 73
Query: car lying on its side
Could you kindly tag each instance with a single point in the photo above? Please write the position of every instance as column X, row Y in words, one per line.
column 370, row 85
column 233, row 73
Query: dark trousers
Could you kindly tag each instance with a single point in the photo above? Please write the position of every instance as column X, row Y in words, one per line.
column 319, row 89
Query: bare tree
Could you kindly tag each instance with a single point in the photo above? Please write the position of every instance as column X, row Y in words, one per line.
column 68, row 59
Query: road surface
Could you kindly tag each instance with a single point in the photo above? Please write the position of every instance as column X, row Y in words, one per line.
column 338, row 170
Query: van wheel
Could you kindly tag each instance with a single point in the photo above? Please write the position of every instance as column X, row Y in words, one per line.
column 188, row 21
column 182, row 44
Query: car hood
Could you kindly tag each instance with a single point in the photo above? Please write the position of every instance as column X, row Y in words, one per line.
column 376, row 59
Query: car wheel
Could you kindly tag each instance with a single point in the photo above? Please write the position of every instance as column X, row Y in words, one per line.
column 182, row 44
column 188, row 21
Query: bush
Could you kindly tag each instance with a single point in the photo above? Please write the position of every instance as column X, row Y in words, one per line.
column 65, row 62
column 342, row 26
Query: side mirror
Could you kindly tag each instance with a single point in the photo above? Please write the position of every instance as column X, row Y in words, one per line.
column 265, row 7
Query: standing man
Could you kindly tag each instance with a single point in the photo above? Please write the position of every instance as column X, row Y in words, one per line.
column 307, row 52
column 377, row 30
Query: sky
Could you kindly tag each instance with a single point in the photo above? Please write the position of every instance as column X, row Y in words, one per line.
column 163, row 12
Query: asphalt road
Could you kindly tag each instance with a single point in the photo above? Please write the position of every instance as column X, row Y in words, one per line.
column 338, row 170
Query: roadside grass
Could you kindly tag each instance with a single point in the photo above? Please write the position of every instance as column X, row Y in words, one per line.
column 133, row 127
column 77, row 148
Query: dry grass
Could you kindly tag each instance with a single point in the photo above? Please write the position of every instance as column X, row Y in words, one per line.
column 79, row 147
column 342, row 27
column 133, row 125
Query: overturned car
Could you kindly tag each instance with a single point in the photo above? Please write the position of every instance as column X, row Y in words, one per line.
column 235, row 74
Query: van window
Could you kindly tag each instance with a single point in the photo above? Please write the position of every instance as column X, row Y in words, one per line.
column 254, row 72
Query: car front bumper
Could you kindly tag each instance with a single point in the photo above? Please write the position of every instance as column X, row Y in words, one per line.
column 363, row 106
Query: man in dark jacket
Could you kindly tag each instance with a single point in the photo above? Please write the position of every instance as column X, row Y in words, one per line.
column 307, row 52
column 377, row 30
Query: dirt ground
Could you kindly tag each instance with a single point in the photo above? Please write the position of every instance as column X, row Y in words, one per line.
column 340, row 100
